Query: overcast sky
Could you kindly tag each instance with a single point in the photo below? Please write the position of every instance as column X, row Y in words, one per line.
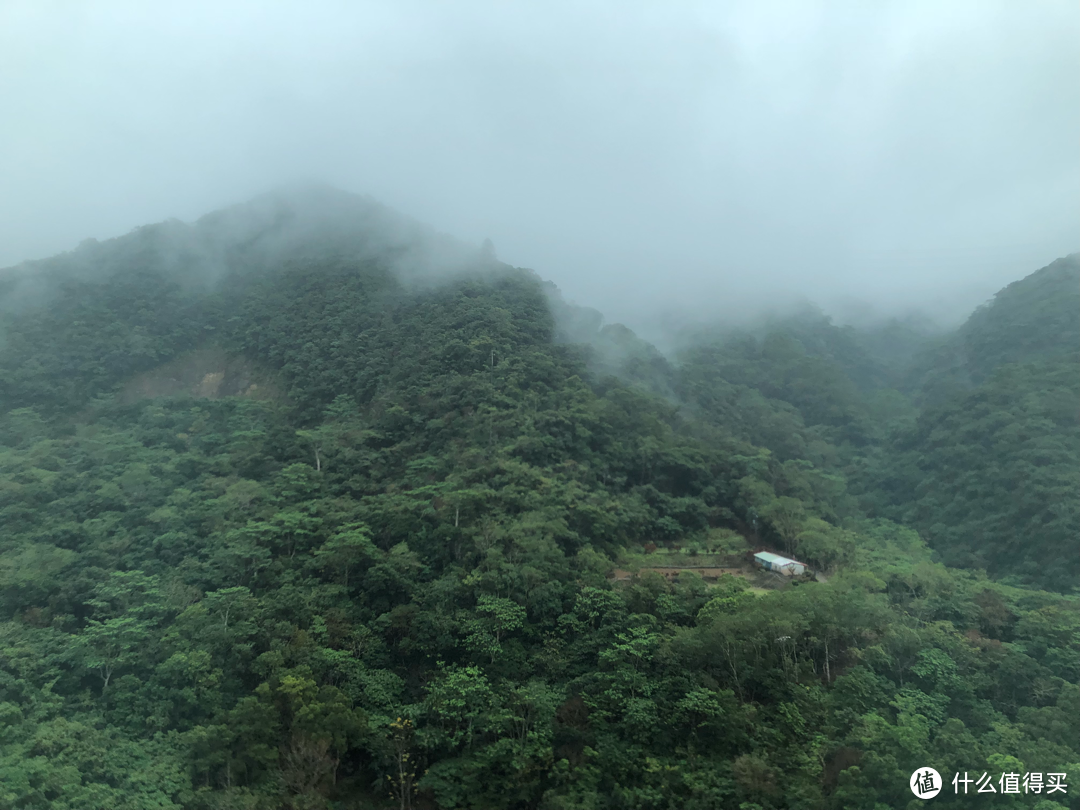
column 644, row 156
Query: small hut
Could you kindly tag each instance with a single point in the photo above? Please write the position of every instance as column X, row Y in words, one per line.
column 781, row 565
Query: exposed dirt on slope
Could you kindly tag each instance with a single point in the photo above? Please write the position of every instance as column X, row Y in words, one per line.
column 671, row 572
column 206, row 373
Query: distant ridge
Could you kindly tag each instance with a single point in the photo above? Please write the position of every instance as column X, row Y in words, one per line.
column 302, row 221
column 1034, row 318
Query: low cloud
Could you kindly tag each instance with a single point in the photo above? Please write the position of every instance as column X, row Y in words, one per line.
column 657, row 162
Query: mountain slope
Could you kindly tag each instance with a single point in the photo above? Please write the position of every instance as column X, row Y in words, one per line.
column 976, row 443
column 389, row 583
column 77, row 325
column 990, row 473
column 1032, row 320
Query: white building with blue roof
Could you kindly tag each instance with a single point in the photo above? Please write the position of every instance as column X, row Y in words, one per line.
column 781, row 565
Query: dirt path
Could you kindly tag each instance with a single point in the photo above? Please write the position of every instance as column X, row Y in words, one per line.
column 670, row 572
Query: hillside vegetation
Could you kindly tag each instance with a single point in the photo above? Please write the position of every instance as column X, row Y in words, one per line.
column 370, row 564
column 990, row 471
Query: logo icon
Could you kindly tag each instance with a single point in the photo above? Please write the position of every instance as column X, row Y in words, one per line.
column 925, row 783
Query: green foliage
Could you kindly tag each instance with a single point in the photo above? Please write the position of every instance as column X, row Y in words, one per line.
column 389, row 587
column 991, row 476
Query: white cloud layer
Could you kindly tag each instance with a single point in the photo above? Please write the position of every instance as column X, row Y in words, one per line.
column 647, row 157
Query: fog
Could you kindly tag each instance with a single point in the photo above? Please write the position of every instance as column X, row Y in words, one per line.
column 656, row 161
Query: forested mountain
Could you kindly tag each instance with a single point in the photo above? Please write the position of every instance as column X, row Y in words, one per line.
column 990, row 473
column 307, row 506
column 1034, row 320
column 971, row 437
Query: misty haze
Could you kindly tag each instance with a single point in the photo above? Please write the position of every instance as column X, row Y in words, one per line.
column 539, row 406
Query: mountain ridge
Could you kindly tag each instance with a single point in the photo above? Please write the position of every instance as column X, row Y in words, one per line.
column 392, row 582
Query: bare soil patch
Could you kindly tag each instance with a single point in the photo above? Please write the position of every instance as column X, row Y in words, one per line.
column 206, row 373
column 672, row 572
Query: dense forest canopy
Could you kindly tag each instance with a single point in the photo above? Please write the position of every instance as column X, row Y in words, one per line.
column 307, row 506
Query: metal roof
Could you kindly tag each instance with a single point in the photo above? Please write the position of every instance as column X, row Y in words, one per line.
column 776, row 559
